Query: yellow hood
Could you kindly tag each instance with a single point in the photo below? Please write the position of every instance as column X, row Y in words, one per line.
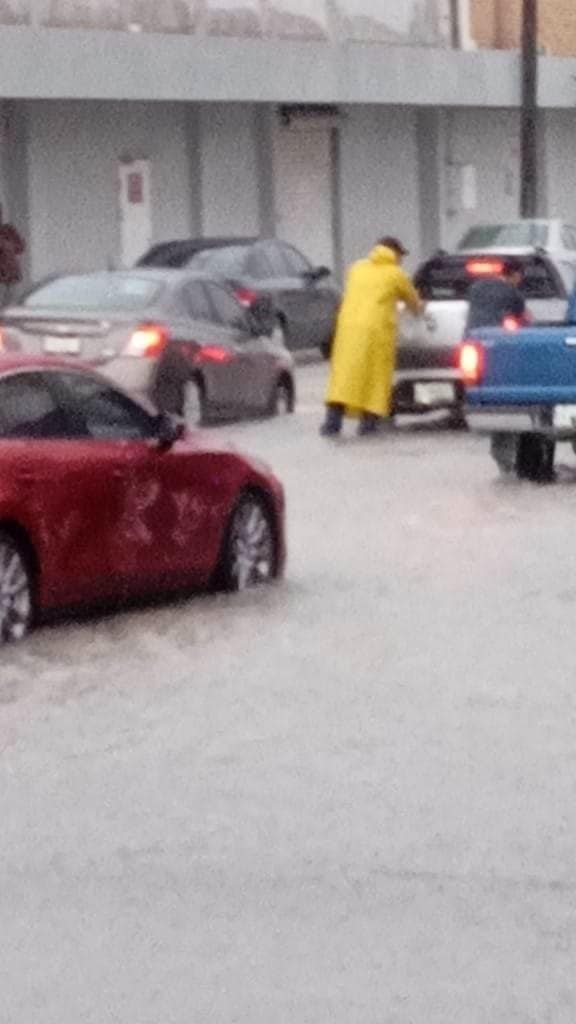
column 382, row 254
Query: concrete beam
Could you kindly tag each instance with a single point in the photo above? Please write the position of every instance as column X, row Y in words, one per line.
column 65, row 64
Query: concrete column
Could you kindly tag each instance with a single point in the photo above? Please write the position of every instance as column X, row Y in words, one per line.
column 193, row 151
column 379, row 179
column 229, row 170
column 337, row 233
column 558, row 196
column 545, row 150
column 263, row 128
column 430, row 180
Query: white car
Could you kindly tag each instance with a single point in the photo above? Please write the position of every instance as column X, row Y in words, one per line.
column 555, row 237
column 428, row 377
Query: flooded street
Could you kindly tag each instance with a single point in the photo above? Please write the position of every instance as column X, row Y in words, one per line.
column 347, row 799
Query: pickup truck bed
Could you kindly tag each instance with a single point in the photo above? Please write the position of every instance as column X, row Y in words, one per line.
column 521, row 389
column 532, row 366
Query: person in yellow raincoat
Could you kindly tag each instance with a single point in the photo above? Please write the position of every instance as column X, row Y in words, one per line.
column 364, row 350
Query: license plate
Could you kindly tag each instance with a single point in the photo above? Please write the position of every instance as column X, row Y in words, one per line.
column 565, row 417
column 433, row 393
column 61, row 346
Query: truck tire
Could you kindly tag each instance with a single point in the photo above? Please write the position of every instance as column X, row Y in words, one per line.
column 326, row 348
column 535, row 459
column 504, row 451
column 457, row 420
column 526, row 456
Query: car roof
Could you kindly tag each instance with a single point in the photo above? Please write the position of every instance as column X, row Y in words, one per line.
column 162, row 275
column 464, row 255
column 206, row 243
column 184, row 248
column 515, row 220
column 503, row 250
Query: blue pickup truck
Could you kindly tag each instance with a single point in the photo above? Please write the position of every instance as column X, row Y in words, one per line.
column 521, row 390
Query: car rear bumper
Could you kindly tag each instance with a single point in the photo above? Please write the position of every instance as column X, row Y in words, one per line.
column 500, row 420
column 425, row 357
column 420, row 391
column 559, row 424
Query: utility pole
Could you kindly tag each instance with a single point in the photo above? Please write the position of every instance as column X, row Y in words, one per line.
column 455, row 40
column 529, row 115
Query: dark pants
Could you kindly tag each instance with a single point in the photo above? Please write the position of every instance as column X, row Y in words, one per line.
column 335, row 414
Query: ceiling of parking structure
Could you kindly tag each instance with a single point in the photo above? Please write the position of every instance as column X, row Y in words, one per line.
column 14, row 12
column 412, row 22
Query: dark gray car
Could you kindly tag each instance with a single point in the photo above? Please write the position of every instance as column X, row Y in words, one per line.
column 179, row 339
column 306, row 297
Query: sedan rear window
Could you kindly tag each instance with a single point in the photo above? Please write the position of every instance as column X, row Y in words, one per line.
column 488, row 236
column 450, row 279
column 226, row 262
column 89, row 292
column 168, row 254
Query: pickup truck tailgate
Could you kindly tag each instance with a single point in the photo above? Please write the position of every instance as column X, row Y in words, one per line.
column 533, row 366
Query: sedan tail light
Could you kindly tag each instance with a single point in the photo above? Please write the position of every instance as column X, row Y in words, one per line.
column 245, row 296
column 471, row 362
column 214, row 354
column 148, row 341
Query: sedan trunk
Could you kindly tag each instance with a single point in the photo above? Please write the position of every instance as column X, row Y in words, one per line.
column 93, row 340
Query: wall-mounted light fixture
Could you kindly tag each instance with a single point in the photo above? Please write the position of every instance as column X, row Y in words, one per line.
column 322, row 115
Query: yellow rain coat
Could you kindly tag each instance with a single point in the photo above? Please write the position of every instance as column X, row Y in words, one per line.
column 364, row 350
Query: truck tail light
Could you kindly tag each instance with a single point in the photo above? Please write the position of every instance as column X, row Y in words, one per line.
column 512, row 323
column 148, row 341
column 471, row 362
column 245, row 296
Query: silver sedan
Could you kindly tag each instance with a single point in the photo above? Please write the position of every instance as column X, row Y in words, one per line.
column 179, row 339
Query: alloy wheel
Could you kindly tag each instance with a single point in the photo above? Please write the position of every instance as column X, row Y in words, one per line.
column 15, row 592
column 252, row 549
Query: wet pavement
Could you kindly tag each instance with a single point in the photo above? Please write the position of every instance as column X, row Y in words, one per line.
column 348, row 799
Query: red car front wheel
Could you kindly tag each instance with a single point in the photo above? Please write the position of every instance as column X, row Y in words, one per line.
column 16, row 605
column 249, row 556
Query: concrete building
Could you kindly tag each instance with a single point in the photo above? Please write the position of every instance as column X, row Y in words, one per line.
column 124, row 122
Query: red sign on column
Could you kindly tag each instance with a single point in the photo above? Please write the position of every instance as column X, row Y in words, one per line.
column 135, row 186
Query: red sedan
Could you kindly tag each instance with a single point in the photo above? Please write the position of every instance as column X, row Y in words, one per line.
column 100, row 499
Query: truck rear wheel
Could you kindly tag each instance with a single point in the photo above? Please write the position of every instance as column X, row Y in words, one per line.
column 536, row 458
column 526, row 456
column 504, row 451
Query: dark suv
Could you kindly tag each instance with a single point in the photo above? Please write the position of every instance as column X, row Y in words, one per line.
column 306, row 297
